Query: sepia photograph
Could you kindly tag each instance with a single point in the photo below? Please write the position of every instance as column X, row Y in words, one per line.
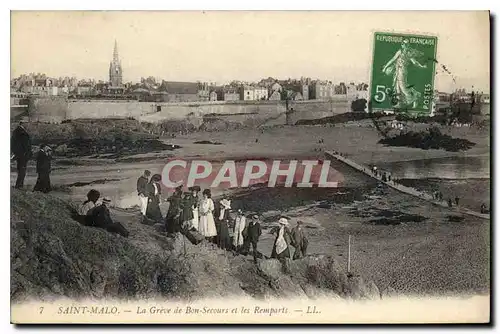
column 250, row 167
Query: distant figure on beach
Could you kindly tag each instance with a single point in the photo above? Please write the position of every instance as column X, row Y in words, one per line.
column 450, row 203
column 142, row 191
column 43, row 169
column 457, row 200
column 483, row 208
column 20, row 146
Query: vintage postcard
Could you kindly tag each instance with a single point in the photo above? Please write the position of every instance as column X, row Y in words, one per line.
column 250, row 167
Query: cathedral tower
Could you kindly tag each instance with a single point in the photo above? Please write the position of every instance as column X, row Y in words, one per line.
column 115, row 69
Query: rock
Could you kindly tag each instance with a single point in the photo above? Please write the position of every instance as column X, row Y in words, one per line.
column 61, row 149
column 388, row 293
column 271, row 268
column 159, row 227
column 372, row 291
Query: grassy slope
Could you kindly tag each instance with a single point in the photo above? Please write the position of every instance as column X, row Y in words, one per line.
column 54, row 256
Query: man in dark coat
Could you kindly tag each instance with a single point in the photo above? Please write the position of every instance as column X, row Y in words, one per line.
column 43, row 169
column 101, row 218
column 153, row 211
column 299, row 241
column 172, row 219
column 187, row 204
column 252, row 233
column 20, row 145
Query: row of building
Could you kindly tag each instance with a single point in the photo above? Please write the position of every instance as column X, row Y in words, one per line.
column 172, row 91
column 151, row 89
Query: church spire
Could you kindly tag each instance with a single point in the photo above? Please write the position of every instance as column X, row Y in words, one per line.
column 115, row 53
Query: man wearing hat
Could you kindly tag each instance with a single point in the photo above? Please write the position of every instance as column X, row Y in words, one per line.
column 299, row 241
column 252, row 234
column 142, row 191
column 43, row 169
column 20, row 146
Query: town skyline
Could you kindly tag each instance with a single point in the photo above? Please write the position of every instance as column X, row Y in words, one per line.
column 150, row 45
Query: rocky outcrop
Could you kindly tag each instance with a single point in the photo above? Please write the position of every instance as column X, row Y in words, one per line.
column 54, row 256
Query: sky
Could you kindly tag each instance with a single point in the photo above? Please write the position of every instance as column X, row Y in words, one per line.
column 223, row 46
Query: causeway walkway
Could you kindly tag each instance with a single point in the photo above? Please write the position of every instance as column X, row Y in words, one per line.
column 407, row 190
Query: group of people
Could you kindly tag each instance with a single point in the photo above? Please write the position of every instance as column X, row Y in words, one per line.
column 230, row 230
column 21, row 152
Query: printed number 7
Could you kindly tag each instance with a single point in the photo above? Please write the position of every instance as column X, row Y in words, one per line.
column 41, row 309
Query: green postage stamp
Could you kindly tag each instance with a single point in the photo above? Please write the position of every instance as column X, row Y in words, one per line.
column 403, row 70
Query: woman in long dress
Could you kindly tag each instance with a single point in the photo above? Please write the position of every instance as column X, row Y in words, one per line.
column 196, row 203
column 239, row 227
column 173, row 217
column 153, row 211
column 207, row 224
column 223, row 239
column 281, row 248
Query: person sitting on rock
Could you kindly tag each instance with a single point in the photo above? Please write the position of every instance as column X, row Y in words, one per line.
column 101, row 218
column 85, row 209
column 299, row 241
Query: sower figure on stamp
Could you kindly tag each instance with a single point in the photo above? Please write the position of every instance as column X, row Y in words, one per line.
column 252, row 234
column 299, row 241
column 142, row 192
column 20, row 145
column 43, row 169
